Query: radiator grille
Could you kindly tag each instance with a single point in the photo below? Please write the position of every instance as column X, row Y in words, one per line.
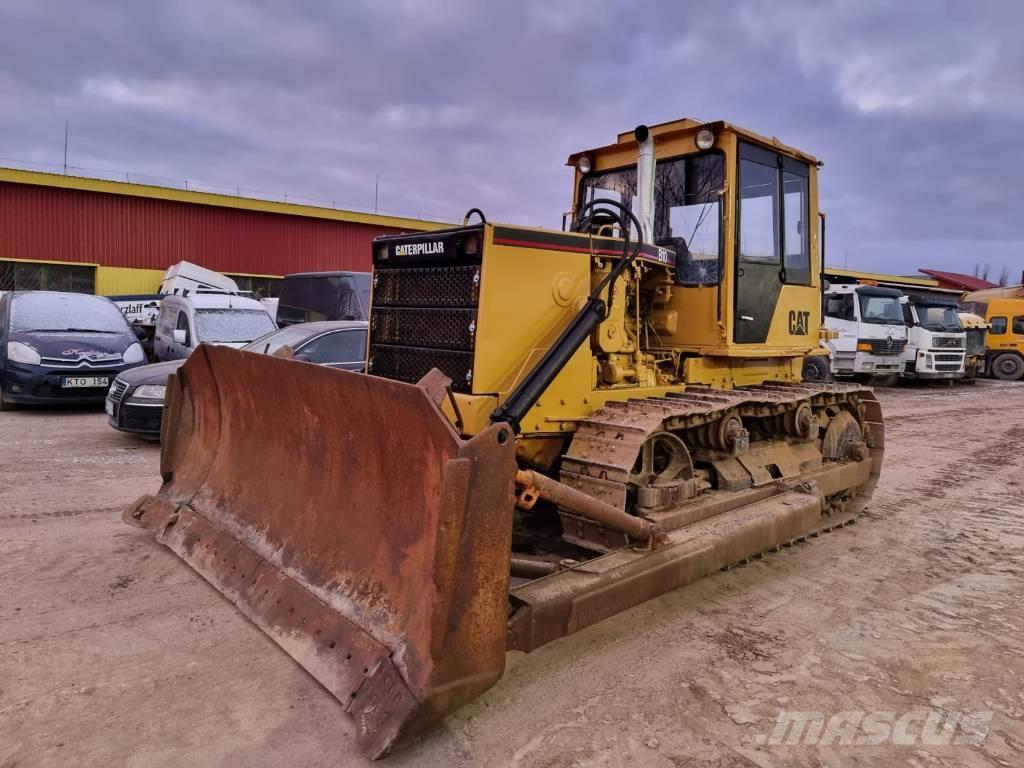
column 410, row 364
column 949, row 343
column 117, row 390
column 885, row 346
column 427, row 287
column 423, row 318
column 948, row 358
column 438, row 328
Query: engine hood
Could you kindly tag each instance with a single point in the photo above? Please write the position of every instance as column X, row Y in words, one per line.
column 156, row 373
column 76, row 346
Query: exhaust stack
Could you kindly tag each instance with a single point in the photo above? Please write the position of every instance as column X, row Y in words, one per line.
column 645, row 181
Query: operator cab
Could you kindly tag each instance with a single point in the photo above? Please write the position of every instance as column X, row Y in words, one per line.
column 737, row 210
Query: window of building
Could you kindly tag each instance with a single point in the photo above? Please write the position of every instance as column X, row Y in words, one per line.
column 43, row 276
column 997, row 325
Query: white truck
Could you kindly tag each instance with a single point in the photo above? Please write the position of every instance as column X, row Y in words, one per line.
column 937, row 346
column 868, row 335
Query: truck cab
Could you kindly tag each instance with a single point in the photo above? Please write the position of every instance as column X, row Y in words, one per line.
column 936, row 347
column 187, row 319
column 870, row 334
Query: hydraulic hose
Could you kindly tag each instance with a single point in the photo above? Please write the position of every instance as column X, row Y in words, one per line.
column 529, row 390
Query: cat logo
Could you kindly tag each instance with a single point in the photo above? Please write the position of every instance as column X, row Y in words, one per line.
column 799, row 322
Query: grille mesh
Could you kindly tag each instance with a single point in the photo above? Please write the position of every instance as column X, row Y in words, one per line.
column 427, row 287
column 423, row 318
column 438, row 328
column 885, row 346
column 410, row 364
column 949, row 343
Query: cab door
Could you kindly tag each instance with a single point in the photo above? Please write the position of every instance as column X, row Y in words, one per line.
column 772, row 238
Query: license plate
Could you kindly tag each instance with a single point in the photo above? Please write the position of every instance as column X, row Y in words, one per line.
column 85, row 381
column 110, row 407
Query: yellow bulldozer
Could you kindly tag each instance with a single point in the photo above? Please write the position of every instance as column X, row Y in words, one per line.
column 557, row 425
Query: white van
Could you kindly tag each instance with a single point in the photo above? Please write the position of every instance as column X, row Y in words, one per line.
column 187, row 320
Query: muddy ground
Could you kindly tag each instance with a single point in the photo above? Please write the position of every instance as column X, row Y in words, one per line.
column 112, row 652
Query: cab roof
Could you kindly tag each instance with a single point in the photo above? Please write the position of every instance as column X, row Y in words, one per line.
column 217, row 300
column 677, row 128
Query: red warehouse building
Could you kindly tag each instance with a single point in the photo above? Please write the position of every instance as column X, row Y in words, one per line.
column 107, row 237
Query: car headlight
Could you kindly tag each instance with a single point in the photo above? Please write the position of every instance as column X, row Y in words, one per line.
column 150, row 392
column 22, row 353
column 134, row 354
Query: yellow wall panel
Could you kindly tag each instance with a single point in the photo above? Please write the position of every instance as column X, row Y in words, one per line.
column 119, row 281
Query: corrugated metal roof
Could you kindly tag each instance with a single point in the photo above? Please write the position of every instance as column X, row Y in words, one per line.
column 80, row 183
column 966, row 282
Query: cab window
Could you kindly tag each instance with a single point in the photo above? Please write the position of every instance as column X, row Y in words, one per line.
column 774, row 211
column 687, row 209
column 997, row 325
column 839, row 306
column 1018, row 325
column 183, row 326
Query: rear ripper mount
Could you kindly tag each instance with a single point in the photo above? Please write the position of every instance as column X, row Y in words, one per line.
column 387, row 579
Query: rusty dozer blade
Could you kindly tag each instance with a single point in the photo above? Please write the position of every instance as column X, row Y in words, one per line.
column 346, row 518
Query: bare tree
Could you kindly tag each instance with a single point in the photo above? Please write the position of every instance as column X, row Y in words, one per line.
column 977, row 269
column 1004, row 276
column 984, row 272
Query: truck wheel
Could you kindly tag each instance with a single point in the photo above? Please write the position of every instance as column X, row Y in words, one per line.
column 884, row 380
column 816, row 368
column 1008, row 367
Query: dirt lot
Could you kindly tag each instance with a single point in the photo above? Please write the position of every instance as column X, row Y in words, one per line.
column 112, row 652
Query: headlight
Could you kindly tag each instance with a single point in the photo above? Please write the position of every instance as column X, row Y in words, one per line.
column 134, row 354
column 150, row 392
column 583, row 165
column 22, row 353
column 705, row 138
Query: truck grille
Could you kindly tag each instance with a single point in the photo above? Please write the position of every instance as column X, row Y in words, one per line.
column 947, row 367
column 423, row 318
column 885, row 346
column 949, row 343
column 947, row 358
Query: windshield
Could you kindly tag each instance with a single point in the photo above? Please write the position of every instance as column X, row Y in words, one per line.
column 229, row 326
column 938, row 317
column 687, row 209
column 883, row 310
column 290, row 336
column 54, row 312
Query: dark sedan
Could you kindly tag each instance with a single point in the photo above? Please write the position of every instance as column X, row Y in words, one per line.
column 136, row 399
column 62, row 347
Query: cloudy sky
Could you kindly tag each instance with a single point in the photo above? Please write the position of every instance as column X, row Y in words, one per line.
column 917, row 108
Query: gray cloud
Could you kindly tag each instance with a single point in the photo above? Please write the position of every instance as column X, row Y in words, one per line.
column 915, row 108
